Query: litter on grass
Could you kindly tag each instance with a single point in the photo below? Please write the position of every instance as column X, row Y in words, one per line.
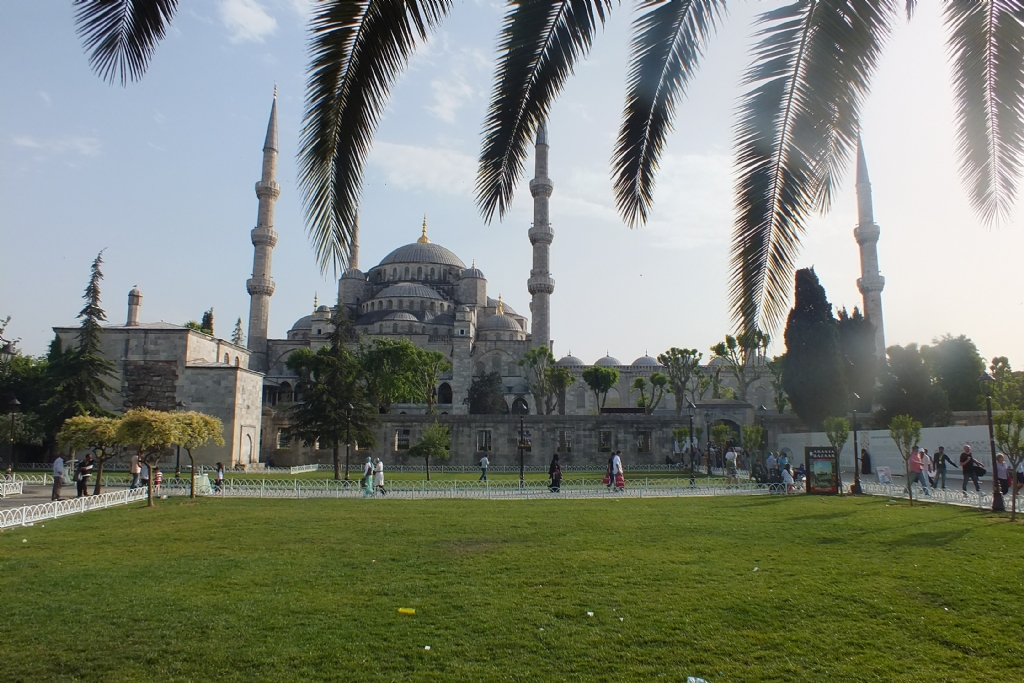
column 407, row 610
column 426, row 647
column 590, row 614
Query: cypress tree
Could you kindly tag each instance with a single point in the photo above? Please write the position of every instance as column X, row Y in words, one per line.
column 813, row 372
column 857, row 346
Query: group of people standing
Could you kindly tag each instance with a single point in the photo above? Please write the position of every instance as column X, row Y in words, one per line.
column 373, row 478
column 930, row 472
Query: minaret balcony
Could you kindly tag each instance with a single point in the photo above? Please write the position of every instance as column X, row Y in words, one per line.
column 541, row 235
column 866, row 233
column 540, row 284
column 260, row 286
column 268, row 190
column 871, row 284
column 541, row 187
column 263, row 237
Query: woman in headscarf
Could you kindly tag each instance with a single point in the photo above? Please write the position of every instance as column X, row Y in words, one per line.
column 378, row 477
column 366, row 483
column 555, row 472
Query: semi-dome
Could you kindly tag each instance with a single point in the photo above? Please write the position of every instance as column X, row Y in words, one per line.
column 607, row 361
column 409, row 289
column 501, row 322
column 303, row 323
column 353, row 274
column 423, row 252
column 646, row 360
column 493, row 303
column 570, row 360
column 401, row 315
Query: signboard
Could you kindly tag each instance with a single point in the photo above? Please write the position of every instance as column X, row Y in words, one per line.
column 822, row 468
column 884, row 475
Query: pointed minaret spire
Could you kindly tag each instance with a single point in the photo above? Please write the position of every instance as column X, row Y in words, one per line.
column 541, row 285
column 261, row 285
column 353, row 255
column 870, row 282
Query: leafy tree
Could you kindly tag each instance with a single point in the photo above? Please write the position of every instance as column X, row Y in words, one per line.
column 427, row 369
column 906, row 434
column 956, row 365
column 389, row 367
column 739, row 354
column 860, row 361
column 715, row 380
column 27, row 378
column 536, row 362
column 1008, row 390
column 753, row 438
column 600, row 380
column 837, row 431
column 702, row 380
column 682, row 366
column 194, row 325
column 485, row 395
column 1008, row 428
column 195, row 430
column 560, row 379
column 776, row 367
column 436, row 443
column 206, row 324
column 152, row 432
column 812, row 376
column 659, row 385
column 98, row 434
column 797, row 123
column 334, row 405
column 907, row 389
column 238, row 336
column 721, row 435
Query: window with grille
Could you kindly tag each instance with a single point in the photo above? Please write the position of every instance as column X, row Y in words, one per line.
column 401, row 439
column 643, row 441
column 565, row 441
column 284, row 439
column 483, row 441
column 604, row 441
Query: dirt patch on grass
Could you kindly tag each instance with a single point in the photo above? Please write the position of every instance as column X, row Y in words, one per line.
column 469, row 546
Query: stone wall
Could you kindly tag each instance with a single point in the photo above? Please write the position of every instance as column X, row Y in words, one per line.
column 150, row 384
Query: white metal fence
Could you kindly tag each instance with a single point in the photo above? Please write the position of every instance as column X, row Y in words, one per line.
column 30, row 514
column 11, row 487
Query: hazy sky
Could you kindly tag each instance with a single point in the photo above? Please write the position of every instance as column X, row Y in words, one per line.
column 161, row 174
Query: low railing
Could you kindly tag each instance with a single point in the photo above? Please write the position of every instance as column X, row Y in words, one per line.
column 951, row 496
column 11, row 487
column 30, row 514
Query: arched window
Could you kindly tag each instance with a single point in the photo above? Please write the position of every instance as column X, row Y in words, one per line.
column 496, row 364
column 419, row 272
column 390, row 304
column 399, row 304
column 444, row 393
column 394, row 273
column 432, row 305
column 372, row 304
column 423, row 305
column 407, row 272
column 394, row 329
column 381, row 330
column 227, row 359
column 237, row 362
column 479, row 368
column 431, row 273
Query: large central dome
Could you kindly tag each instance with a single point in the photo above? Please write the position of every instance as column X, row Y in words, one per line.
column 423, row 253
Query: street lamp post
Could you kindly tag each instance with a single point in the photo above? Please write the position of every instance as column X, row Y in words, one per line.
column 348, row 435
column 522, row 444
column 761, row 410
column 13, row 406
column 707, row 433
column 178, row 407
column 997, row 497
column 691, row 410
column 855, row 489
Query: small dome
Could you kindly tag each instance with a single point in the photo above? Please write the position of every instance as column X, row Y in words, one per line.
column 493, row 303
column 135, row 291
column 353, row 274
column 408, row 289
column 646, row 360
column 303, row 323
column 607, row 361
column 570, row 361
column 472, row 272
column 501, row 322
column 323, row 309
column 401, row 315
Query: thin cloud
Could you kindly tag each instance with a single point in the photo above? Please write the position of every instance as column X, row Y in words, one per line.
column 449, row 96
column 413, row 167
column 247, row 20
column 82, row 145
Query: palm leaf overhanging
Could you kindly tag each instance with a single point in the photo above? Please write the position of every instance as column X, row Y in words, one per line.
column 121, row 35
column 669, row 37
column 794, row 136
column 540, row 42
column 357, row 50
column 986, row 40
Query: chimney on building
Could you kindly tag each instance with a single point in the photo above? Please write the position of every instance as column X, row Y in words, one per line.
column 134, row 304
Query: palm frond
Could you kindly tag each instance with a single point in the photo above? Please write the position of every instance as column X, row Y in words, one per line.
column 669, row 38
column 911, row 6
column 797, row 127
column 357, row 50
column 987, row 44
column 540, row 42
column 121, row 35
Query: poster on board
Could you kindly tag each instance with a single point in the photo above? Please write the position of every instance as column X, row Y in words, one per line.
column 884, row 475
column 822, row 468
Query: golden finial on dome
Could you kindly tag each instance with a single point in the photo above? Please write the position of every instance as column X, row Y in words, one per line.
column 316, row 301
column 423, row 237
column 501, row 307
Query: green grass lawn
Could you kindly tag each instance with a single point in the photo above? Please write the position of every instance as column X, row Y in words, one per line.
column 846, row 589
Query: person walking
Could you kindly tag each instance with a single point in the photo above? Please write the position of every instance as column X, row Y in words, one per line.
column 926, row 467
column 916, row 467
column 618, row 473
column 970, row 468
column 58, row 477
column 134, row 470
column 1002, row 473
column 555, row 473
column 158, row 480
column 82, row 475
column 144, row 474
column 1019, row 483
column 218, row 478
column 731, row 470
column 941, row 460
column 484, row 462
column 378, row 477
column 366, row 483
column 787, row 479
column 773, row 467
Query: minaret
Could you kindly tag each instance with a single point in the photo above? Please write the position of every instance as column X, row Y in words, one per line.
column 261, row 284
column 870, row 282
column 353, row 254
column 540, row 284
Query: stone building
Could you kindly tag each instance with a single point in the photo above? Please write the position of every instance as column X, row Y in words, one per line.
column 169, row 367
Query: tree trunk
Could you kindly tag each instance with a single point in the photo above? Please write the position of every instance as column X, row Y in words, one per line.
column 149, row 485
column 192, row 493
column 427, row 460
column 337, row 462
column 99, row 477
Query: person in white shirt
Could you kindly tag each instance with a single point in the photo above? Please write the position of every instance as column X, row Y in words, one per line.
column 134, row 469
column 617, row 471
column 731, row 472
column 787, row 479
column 773, row 467
column 58, row 477
column 378, row 477
column 484, row 462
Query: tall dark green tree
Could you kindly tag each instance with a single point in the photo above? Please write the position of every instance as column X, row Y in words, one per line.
column 389, row 368
column 907, row 389
column 206, row 324
column 681, row 365
column 1008, row 391
column 956, row 365
column 813, row 373
column 485, row 395
column 860, row 363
